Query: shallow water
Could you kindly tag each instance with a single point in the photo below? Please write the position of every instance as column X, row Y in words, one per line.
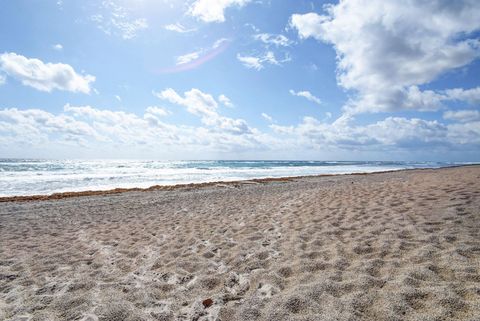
column 32, row 177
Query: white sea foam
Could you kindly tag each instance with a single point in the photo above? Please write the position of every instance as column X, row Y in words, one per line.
column 40, row 177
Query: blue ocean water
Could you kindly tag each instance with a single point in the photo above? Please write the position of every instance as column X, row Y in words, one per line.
column 35, row 177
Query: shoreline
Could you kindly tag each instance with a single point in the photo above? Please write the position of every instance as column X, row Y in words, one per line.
column 157, row 187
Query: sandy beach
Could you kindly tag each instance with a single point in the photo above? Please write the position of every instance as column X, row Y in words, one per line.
column 388, row 246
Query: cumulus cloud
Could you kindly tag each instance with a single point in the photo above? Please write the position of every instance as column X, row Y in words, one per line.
column 213, row 10
column 225, row 101
column 106, row 116
column 387, row 49
column 390, row 134
column 408, row 133
column 270, row 39
column 92, row 127
column 308, row 25
column 259, row 62
column 35, row 125
column 462, row 115
column 465, row 134
column 44, row 76
column 159, row 111
column 57, row 47
column 196, row 102
column 223, row 133
column 251, row 61
column 205, row 106
column 306, row 94
column 472, row 96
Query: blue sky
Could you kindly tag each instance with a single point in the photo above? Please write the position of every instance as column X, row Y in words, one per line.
column 240, row 79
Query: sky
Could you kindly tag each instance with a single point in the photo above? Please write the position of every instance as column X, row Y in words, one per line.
column 240, row 79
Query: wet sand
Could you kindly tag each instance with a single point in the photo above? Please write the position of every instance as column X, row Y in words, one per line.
column 390, row 246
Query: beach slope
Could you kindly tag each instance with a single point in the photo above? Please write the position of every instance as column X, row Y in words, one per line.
column 389, row 246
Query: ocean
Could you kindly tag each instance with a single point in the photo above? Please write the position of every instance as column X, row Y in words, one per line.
column 41, row 177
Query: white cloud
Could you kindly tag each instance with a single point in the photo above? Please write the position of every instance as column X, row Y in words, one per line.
column 177, row 27
column 159, row 111
column 205, row 106
column 416, row 99
column 386, row 49
column 462, row 115
column 250, row 61
column 267, row 117
column 116, row 19
column 390, row 134
column 197, row 102
column 129, row 29
column 119, row 127
column 270, row 58
column 270, row 39
column 57, row 47
column 3, row 79
column 192, row 56
column 28, row 124
column 225, row 101
column 309, row 25
column 258, row 62
column 472, row 96
column 117, row 97
column 306, row 94
column 465, row 134
column 213, row 10
column 44, row 76
column 107, row 116
column 184, row 59
column 100, row 129
column 219, row 42
column 407, row 133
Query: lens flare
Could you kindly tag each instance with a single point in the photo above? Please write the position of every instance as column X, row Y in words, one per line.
column 219, row 47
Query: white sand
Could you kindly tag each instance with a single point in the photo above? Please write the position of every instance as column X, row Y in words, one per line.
column 391, row 246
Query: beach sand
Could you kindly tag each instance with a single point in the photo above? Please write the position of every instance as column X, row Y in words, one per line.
column 390, row 246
